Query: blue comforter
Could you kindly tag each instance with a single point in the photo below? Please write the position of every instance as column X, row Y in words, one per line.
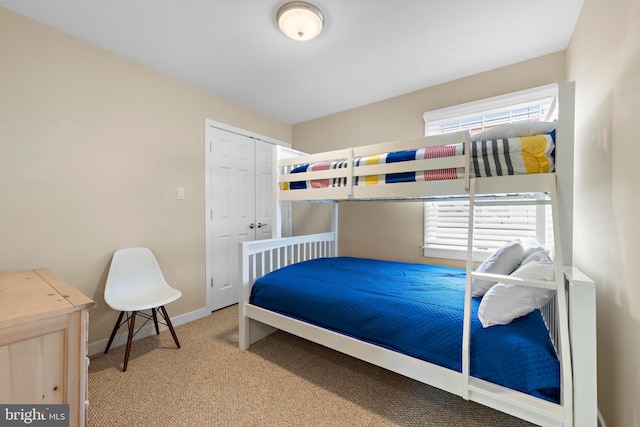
column 417, row 310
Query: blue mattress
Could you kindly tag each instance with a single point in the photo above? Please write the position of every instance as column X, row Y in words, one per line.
column 417, row 310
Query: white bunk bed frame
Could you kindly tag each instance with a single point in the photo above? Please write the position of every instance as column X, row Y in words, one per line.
column 570, row 315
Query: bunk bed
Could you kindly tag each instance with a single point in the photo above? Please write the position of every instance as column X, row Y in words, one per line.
column 561, row 390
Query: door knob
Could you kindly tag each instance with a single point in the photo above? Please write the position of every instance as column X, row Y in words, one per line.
column 252, row 226
column 260, row 225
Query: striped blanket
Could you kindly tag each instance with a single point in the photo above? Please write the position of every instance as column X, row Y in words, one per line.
column 507, row 156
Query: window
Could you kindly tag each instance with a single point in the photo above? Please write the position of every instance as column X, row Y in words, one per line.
column 528, row 105
column 446, row 220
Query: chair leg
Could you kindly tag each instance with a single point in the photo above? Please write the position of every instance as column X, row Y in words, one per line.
column 113, row 334
column 155, row 320
column 132, row 323
column 168, row 320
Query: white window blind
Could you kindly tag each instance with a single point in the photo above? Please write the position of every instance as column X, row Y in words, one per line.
column 446, row 226
column 538, row 104
column 446, row 220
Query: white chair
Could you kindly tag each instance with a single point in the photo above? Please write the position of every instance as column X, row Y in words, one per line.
column 135, row 283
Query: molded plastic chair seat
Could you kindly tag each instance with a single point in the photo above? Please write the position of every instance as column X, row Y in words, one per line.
column 135, row 283
column 142, row 299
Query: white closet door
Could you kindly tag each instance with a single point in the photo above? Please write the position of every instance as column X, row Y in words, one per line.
column 243, row 206
column 233, row 211
column 265, row 191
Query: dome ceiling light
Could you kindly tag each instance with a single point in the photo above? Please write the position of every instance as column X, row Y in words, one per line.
column 300, row 20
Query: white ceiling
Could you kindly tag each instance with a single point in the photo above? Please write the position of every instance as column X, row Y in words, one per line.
column 369, row 50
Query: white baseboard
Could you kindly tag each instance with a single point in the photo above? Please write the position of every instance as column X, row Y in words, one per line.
column 121, row 339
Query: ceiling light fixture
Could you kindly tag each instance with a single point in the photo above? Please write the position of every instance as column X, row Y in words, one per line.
column 300, row 20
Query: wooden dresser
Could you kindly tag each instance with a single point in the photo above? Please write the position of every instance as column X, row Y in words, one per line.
column 43, row 342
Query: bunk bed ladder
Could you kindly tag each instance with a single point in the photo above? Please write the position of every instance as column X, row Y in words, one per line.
column 559, row 326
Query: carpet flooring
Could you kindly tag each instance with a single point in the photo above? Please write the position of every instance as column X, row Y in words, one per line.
column 281, row 380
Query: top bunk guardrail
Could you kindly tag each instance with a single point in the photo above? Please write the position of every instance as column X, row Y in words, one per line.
column 413, row 168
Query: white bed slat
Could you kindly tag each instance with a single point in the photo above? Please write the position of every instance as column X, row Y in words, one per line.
column 316, row 194
column 342, row 154
column 313, row 175
column 537, row 411
column 408, row 166
column 404, row 190
column 410, row 144
column 545, row 284
column 466, row 325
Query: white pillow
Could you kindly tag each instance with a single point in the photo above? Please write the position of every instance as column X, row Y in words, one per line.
column 506, row 302
column 514, row 130
column 540, row 256
column 531, row 245
column 502, row 261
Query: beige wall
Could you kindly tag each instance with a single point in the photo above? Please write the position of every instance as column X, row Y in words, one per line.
column 92, row 149
column 604, row 60
column 399, row 226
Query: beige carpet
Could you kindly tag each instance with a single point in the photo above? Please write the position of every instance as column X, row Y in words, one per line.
column 281, row 381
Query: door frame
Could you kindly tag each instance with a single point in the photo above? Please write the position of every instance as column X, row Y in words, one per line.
column 208, row 203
